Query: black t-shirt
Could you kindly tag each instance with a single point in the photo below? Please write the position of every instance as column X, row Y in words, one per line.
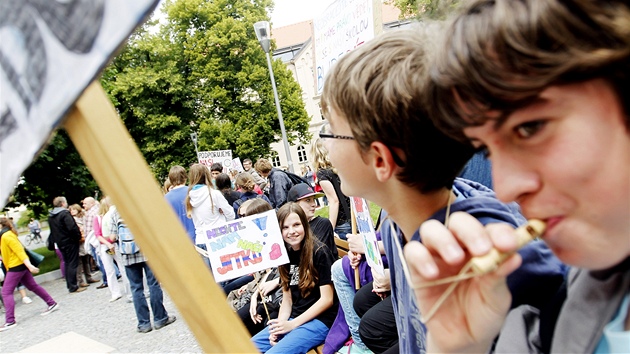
column 322, row 229
column 322, row 259
column 231, row 196
column 344, row 202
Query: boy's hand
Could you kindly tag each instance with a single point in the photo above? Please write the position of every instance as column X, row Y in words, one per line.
column 477, row 307
column 354, row 259
column 355, row 243
column 381, row 283
column 33, row 269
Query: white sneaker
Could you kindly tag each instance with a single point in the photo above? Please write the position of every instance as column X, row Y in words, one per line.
column 115, row 299
column 26, row 300
column 7, row 326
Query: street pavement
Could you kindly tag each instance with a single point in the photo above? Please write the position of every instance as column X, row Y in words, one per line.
column 90, row 315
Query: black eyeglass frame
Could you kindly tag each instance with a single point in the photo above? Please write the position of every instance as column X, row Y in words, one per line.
column 335, row 136
column 324, row 135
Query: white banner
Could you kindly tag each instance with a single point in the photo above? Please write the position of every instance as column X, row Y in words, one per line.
column 50, row 51
column 245, row 245
column 224, row 157
column 365, row 228
column 345, row 25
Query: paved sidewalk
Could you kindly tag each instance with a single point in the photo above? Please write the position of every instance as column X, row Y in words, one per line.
column 88, row 322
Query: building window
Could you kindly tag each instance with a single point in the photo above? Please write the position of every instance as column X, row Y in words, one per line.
column 275, row 159
column 302, row 154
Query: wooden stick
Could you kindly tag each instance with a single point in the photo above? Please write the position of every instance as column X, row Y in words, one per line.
column 262, row 297
column 353, row 222
column 117, row 165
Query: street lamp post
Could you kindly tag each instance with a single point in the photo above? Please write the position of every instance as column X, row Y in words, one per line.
column 193, row 137
column 262, row 33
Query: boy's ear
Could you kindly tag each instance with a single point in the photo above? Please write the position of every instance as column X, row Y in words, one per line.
column 382, row 161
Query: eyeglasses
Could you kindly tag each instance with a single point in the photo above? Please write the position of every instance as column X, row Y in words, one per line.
column 325, row 133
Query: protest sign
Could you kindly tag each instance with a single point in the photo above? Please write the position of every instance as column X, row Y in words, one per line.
column 237, row 165
column 224, row 157
column 245, row 245
column 365, row 228
column 344, row 25
column 50, row 51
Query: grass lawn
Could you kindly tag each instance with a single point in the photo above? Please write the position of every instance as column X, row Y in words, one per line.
column 50, row 262
column 374, row 210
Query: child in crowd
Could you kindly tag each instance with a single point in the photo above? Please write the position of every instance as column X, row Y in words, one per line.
column 387, row 150
column 307, row 310
column 543, row 87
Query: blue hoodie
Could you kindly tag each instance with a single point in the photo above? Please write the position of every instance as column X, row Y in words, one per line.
column 533, row 283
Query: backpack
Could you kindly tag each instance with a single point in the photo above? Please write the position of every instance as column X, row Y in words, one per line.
column 126, row 241
column 240, row 201
column 295, row 179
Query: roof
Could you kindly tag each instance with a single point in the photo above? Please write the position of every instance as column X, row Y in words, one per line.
column 296, row 33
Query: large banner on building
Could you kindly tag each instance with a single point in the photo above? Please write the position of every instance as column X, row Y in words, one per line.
column 345, row 25
column 245, row 245
column 50, row 51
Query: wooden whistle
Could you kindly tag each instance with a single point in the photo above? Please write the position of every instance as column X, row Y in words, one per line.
column 491, row 261
column 481, row 265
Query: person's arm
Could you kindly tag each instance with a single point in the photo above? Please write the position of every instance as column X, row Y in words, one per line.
column 223, row 205
column 269, row 286
column 477, row 307
column 333, row 201
column 281, row 326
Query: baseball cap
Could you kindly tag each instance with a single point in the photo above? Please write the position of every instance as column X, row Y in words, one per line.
column 301, row 191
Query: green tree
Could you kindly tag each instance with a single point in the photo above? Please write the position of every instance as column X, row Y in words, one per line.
column 58, row 170
column 203, row 70
column 432, row 9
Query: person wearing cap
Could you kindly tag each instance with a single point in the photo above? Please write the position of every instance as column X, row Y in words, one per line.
column 306, row 197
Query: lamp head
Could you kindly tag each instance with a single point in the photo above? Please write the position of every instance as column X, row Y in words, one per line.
column 263, row 34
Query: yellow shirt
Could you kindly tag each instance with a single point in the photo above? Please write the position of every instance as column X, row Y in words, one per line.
column 13, row 253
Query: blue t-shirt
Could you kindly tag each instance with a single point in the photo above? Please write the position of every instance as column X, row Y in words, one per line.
column 176, row 198
column 534, row 282
column 615, row 339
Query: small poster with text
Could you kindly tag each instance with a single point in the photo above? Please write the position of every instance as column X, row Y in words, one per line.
column 246, row 245
column 365, row 228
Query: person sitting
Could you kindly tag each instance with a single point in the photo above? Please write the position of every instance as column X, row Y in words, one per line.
column 391, row 153
column 308, row 307
column 305, row 197
column 543, row 88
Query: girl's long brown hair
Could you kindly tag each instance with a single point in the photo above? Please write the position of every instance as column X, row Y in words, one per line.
column 198, row 174
column 308, row 273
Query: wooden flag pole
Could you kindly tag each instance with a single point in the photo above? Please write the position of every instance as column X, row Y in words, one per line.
column 353, row 222
column 117, row 165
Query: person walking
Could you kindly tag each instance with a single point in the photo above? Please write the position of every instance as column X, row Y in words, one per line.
column 135, row 264
column 19, row 269
column 66, row 234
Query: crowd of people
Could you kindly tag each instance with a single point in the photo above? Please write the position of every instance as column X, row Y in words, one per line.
column 540, row 88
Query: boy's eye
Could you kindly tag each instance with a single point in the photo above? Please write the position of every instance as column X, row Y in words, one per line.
column 528, row 129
